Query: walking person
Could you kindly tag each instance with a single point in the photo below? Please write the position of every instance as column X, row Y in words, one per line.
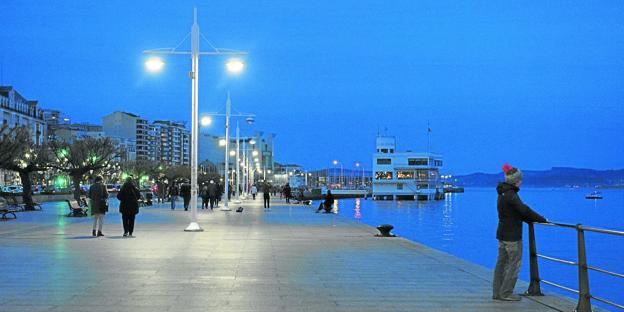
column 185, row 192
column 266, row 193
column 213, row 194
column 98, row 198
column 287, row 192
column 511, row 213
column 254, row 191
column 204, row 196
column 173, row 194
column 128, row 196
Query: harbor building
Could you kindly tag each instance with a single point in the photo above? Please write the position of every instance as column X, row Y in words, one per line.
column 405, row 175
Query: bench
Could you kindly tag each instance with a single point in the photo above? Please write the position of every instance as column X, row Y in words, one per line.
column 75, row 210
column 16, row 206
column 5, row 210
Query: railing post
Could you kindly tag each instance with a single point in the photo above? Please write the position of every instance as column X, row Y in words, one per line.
column 534, row 286
column 584, row 303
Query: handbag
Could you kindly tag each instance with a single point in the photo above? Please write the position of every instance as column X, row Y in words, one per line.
column 104, row 205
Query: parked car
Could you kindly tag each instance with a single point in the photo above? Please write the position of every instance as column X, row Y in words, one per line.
column 12, row 189
column 113, row 187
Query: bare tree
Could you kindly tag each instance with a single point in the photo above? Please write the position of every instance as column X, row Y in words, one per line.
column 89, row 155
column 22, row 155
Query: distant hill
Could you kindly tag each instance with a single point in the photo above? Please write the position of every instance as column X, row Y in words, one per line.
column 555, row 177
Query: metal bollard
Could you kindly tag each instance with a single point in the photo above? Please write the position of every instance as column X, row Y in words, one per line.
column 385, row 229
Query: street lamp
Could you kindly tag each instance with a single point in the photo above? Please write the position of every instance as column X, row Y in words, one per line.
column 155, row 65
column 335, row 162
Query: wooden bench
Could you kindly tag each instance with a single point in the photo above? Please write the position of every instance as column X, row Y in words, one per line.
column 14, row 205
column 75, row 210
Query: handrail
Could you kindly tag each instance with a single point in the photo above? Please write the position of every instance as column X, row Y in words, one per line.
column 584, row 303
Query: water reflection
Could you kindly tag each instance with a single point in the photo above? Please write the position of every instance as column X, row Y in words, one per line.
column 447, row 218
column 357, row 213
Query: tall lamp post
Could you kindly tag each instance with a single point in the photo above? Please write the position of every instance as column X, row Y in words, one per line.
column 156, row 64
column 335, row 162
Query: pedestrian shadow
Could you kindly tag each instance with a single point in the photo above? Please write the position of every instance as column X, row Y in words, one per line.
column 82, row 237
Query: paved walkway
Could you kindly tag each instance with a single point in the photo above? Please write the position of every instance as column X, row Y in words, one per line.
column 286, row 259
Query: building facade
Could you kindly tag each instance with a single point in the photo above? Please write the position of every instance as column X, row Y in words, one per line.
column 405, row 175
column 162, row 140
column 17, row 111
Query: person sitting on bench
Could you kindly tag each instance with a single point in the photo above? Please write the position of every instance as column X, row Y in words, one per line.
column 328, row 203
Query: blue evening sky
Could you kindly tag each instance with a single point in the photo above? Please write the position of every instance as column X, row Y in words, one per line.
column 533, row 83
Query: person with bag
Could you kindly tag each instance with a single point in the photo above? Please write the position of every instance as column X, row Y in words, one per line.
column 98, row 199
column 128, row 196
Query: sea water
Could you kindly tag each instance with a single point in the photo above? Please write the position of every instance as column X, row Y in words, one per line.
column 464, row 225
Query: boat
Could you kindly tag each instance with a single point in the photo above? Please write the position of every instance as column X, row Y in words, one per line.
column 594, row 195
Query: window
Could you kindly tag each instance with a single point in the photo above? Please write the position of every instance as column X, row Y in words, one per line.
column 383, row 175
column 405, row 175
column 400, row 186
column 421, row 186
column 384, row 150
column 417, row 161
column 421, row 174
column 384, row 161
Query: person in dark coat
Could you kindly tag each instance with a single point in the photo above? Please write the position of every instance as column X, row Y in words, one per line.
column 128, row 196
column 203, row 193
column 511, row 213
column 173, row 194
column 213, row 194
column 287, row 192
column 266, row 194
column 327, row 204
column 185, row 192
column 98, row 202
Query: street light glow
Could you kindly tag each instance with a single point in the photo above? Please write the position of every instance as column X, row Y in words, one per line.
column 335, row 162
column 154, row 64
column 232, row 153
column 254, row 153
column 206, row 121
column 222, row 142
column 235, row 66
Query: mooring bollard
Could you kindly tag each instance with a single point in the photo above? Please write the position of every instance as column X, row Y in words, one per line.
column 385, row 229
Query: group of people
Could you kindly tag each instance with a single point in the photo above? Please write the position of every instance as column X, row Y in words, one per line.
column 129, row 196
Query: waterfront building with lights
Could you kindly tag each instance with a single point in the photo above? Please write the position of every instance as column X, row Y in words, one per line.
column 405, row 175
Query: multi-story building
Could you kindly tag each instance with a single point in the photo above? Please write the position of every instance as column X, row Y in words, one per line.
column 18, row 111
column 171, row 142
column 162, row 140
column 405, row 175
column 69, row 133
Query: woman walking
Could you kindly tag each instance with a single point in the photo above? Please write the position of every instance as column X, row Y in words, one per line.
column 128, row 196
column 98, row 198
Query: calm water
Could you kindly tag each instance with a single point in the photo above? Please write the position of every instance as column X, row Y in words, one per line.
column 464, row 225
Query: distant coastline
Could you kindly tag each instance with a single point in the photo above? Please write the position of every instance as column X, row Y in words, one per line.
column 563, row 177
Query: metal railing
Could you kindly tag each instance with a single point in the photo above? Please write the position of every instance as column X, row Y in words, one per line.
column 584, row 296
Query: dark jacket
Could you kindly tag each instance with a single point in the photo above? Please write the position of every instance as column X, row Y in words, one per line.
column 185, row 190
column 287, row 191
column 329, row 200
column 129, row 196
column 99, row 197
column 173, row 190
column 512, row 212
column 213, row 190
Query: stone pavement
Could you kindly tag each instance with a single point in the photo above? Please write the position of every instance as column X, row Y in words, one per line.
column 285, row 259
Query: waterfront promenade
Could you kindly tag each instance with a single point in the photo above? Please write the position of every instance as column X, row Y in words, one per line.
column 288, row 259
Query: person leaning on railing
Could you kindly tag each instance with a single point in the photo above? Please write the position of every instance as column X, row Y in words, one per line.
column 511, row 213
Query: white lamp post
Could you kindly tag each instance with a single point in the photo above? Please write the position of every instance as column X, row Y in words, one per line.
column 155, row 64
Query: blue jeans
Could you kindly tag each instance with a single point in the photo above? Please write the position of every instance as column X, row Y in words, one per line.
column 507, row 268
column 173, row 200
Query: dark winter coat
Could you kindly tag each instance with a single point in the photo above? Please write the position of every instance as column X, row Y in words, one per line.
column 185, row 190
column 287, row 191
column 213, row 190
column 512, row 212
column 174, row 191
column 129, row 196
column 99, row 197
